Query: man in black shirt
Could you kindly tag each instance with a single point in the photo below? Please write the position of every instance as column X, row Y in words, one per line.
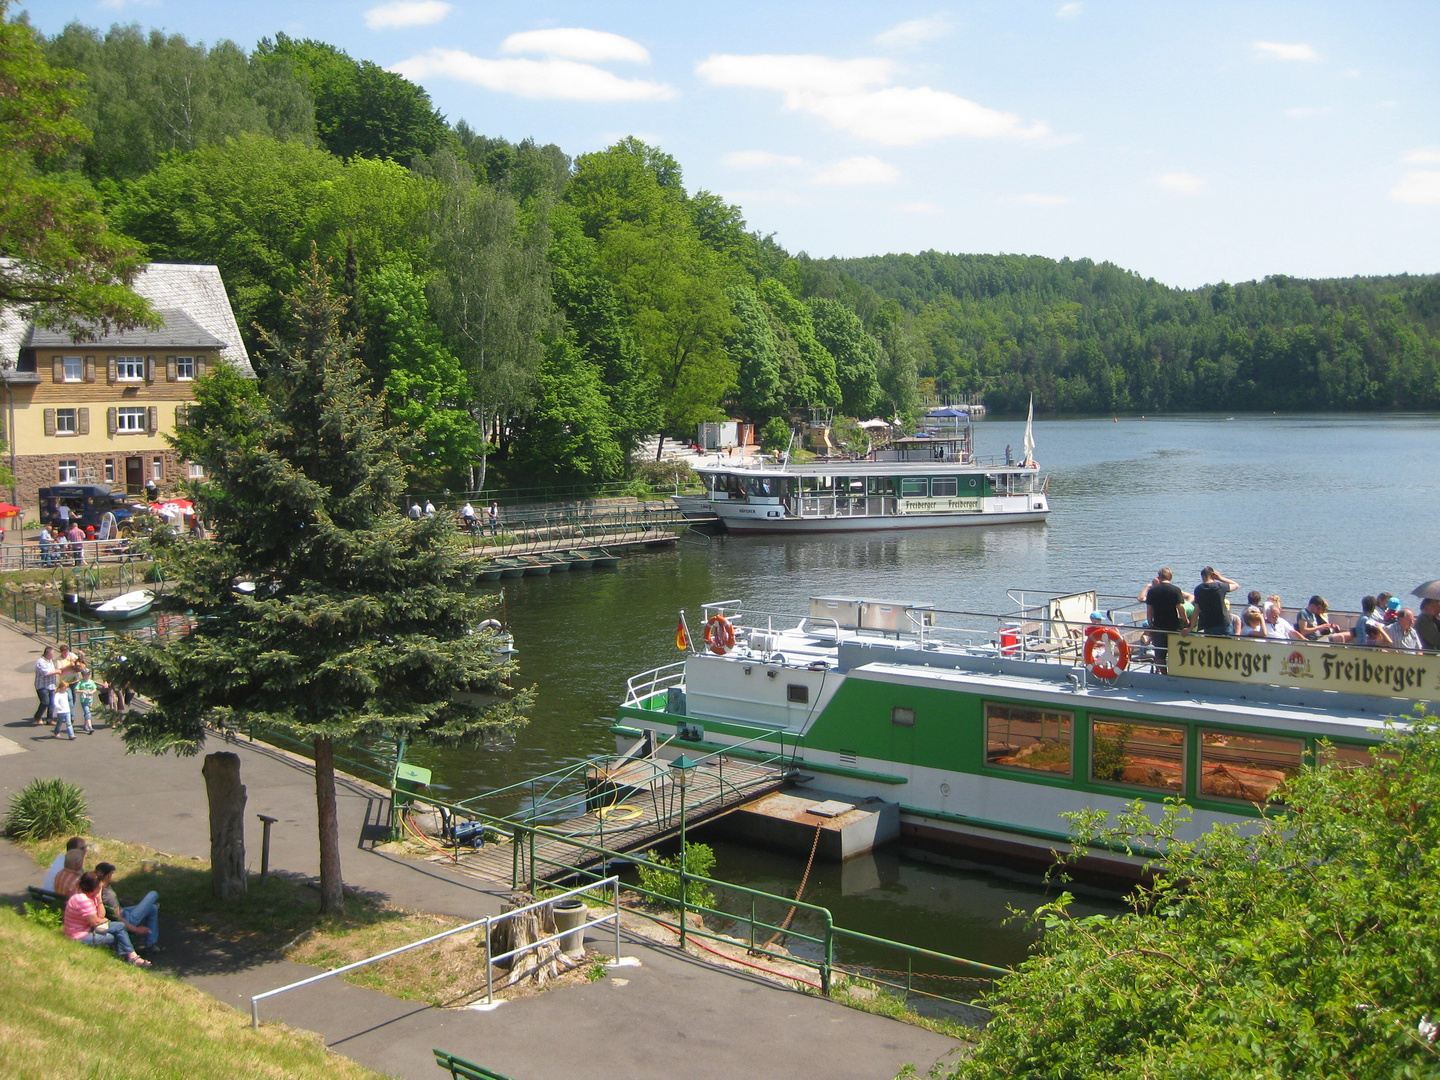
column 1428, row 624
column 1211, row 615
column 1165, row 605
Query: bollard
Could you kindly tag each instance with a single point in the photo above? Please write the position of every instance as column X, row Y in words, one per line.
column 265, row 845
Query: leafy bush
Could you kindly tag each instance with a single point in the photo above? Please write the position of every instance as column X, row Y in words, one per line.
column 44, row 915
column 43, row 809
column 775, row 435
column 1298, row 946
column 664, row 474
column 699, row 861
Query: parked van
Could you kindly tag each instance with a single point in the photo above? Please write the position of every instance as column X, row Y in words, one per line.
column 88, row 503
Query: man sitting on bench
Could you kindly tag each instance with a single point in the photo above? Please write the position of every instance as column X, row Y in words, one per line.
column 68, row 879
column 142, row 919
column 59, row 863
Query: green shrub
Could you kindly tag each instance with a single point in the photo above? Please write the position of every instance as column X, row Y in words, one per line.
column 775, row 435
column 44, row 915
column 44, row 809
column 664, row 877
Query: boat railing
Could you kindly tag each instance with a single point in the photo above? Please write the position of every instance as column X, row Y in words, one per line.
column 639, row 688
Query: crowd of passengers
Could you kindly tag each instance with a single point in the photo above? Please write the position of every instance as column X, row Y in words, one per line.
column 1384, row 621
column 94, row 914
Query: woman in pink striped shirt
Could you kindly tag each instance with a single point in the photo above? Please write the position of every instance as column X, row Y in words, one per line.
column 86, row 923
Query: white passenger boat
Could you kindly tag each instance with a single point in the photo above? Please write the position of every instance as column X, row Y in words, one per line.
column 931, row 480
column 984, row 731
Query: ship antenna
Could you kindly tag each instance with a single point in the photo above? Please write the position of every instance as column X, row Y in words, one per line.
column 786, row 463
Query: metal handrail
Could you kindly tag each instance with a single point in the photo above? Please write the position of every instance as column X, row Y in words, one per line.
column 668, row 674
column 488, row 922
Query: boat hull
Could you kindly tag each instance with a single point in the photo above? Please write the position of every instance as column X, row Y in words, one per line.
column 740, row 523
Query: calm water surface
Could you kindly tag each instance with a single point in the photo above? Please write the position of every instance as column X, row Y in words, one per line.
column 1340, row 505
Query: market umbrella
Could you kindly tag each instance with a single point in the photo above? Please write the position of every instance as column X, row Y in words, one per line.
column 6, row 510
column 170, row 506
column 1429, row 591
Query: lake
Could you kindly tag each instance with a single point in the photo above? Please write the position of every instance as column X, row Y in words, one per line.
column 1341, row 505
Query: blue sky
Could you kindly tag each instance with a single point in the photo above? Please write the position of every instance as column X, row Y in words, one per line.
column 1192, row 142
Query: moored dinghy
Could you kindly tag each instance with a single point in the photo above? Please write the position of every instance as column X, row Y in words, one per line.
column 129, row 605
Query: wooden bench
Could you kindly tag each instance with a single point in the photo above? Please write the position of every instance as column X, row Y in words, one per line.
column 461, row 1069
column 47, row 898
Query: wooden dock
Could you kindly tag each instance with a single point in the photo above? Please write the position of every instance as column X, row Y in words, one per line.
column 616, row 528
column 631, row 810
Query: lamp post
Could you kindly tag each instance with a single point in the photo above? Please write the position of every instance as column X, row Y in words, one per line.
column 680, row 775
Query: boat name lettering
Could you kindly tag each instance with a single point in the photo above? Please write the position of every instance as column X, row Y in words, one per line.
column 930, row 506
column 1291, row 663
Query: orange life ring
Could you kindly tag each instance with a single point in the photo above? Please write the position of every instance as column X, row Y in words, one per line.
column 719, row 635
column 1115, row 657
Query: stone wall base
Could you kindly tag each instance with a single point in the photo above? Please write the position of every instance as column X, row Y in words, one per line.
column 36, row 471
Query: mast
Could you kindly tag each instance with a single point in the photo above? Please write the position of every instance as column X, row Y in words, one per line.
column 1030, row 433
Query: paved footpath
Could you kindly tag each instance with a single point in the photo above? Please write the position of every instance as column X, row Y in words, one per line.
column 674, row 1016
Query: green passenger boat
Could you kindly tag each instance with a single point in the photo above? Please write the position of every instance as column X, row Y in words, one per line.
column 986, row 729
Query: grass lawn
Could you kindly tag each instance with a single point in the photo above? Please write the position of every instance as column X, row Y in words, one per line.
column 75, row 1012
column 283, row 914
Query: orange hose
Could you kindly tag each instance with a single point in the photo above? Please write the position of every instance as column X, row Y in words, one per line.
column 453, row 857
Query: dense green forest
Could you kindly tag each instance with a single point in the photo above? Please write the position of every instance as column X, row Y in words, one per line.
column 537, row 314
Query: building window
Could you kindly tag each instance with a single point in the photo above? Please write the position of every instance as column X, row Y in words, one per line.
column 129, row 420
column 184, row 367
column 1246, row 767
column 74, row 369
column 1138, row 755
column 197, row 472
column 130, row 369
column 69, row 471
column 109, row 470
column 157, row 469
column 65, row 423
column 1351, row 756
column 1021, row 737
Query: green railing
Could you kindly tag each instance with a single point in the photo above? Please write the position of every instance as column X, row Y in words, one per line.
column 520, row 531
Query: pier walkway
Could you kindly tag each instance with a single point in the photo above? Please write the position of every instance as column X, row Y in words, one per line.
column 612, row 524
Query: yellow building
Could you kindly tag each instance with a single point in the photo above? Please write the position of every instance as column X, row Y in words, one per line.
column 97, row 412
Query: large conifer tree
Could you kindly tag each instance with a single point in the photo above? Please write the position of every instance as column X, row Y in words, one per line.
column 361, row 622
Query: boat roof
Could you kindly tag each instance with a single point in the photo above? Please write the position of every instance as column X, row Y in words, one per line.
column 859, row 467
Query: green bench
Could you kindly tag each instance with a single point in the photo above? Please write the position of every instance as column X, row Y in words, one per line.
column 461, row 1069
column 47, row 898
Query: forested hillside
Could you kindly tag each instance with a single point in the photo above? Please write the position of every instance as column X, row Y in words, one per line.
column 1091, row 337
column 540, row 315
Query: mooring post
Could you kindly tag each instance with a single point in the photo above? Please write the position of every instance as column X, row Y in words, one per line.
column 265, row 845
column 616, row 883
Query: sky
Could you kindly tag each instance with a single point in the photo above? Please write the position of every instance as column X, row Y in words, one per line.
column 1190, row 142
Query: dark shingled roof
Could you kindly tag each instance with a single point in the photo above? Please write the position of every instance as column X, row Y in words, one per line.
column 179, row 331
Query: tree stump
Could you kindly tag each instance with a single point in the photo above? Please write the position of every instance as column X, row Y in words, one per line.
column 541, row 964
column 227, row 825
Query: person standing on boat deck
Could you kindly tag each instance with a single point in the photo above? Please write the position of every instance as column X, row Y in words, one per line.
column 1403, row 633
column 1165, row 609
column 1211, row 605
column 1369, row 630
column 1428, row 624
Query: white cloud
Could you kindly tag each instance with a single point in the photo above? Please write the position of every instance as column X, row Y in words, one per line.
column 1280, row 51
column 1068, row 11
column 1421, row 187
column 1181, row 183
column 574, row 43
column 1426, row 155
column 856, row 172
column 853, row 96
column 553, row 79
column 401, row 13
column 758, row 159
column 913, row 33
column 920, row 208
column 1034, row 199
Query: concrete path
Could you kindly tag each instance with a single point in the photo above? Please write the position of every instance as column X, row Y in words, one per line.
column 674, row 1016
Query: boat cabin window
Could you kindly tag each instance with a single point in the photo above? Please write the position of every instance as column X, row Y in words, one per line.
column 914, row 487
column 902, row 717
column 797, row 693
column 1246, row 767
column 944, row 487
column 1138, row 755
column 761, row 487
column 880, row 485
column 1350, row 756
column 856, row 485
column 1020, row 737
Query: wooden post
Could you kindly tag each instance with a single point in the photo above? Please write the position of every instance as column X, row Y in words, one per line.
column 265, row 845
column 227, row 825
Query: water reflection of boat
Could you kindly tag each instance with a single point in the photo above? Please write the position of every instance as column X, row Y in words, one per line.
column 984, row 730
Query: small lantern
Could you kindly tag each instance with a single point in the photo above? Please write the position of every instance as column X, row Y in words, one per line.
column 680, row 771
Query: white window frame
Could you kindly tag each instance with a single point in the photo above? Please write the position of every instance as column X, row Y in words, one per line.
column 157, row 469
column 63, row 415
column 184, row 368
column 135, row 364
column 79, row 368
column 197, row 471
column 68, row 470
column 131, row 412
column 109, row 470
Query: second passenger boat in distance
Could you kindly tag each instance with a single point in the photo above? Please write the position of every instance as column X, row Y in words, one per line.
column 930, row 480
